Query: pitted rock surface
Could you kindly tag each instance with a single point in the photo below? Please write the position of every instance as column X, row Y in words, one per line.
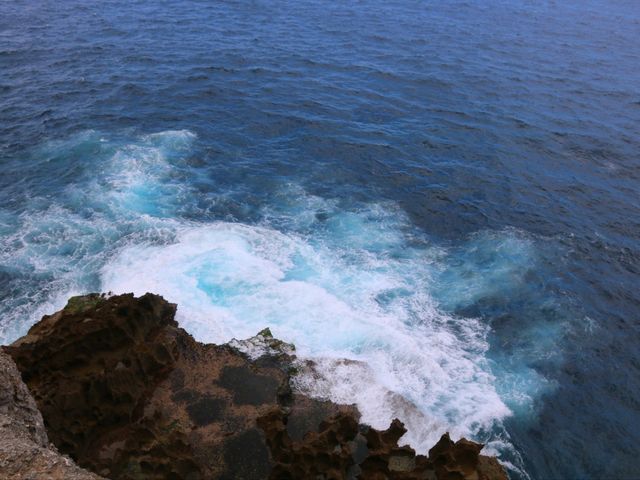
column 25, row 452
column 128, row 394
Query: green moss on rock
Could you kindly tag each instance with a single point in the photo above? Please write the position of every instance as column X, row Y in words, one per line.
column 82, row 303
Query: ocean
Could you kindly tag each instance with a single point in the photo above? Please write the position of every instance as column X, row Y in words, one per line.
column 444, row 193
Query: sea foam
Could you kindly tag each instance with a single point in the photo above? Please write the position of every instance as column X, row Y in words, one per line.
column 354, row 302
column 352, row 285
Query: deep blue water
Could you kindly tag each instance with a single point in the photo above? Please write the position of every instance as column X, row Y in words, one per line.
column 445, row 191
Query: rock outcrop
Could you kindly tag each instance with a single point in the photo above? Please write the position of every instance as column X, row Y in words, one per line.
column 128, row 394
column 25, row 452
column 341, row 449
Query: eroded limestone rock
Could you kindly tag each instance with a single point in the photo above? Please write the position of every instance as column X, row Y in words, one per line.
column 25, row 452
column 128, row 394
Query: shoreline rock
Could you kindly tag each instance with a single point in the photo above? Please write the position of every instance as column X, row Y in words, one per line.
column 127, row 393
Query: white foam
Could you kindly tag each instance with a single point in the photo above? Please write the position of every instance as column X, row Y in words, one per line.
column 231, row 280
column 126, row 195
column 338, row 283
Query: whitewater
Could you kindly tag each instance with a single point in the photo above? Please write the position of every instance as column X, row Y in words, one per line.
column 358, row 290
column 436, row 202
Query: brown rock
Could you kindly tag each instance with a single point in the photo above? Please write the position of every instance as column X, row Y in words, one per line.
column 127, row 393
column 462, row 460
column 25, row 452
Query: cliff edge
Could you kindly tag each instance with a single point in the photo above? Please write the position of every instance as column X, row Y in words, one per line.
column 128, row 394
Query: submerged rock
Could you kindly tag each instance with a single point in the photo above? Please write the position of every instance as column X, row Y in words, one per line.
column 128, row 394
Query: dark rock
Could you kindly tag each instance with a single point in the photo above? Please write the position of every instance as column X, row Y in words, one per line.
column 248, row 387
column 91, row 366
column 25, row 452
column 206, row 410
column 127, row 393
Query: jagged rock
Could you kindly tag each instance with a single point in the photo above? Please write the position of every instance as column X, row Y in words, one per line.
column 25, row 452
column 342, row 449
column 128, row 394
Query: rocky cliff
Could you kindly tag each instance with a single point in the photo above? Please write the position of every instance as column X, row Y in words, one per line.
column 25, row 451
column 128, row 394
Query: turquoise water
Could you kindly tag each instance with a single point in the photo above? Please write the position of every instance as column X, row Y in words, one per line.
column 446, row 194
